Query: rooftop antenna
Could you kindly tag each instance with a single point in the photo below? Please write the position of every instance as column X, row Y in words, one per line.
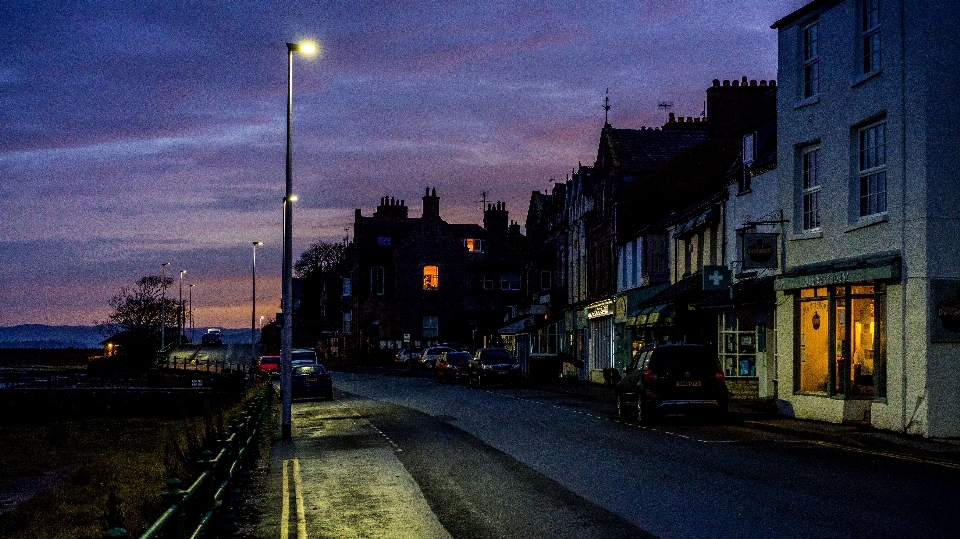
column 483, row 200
column 665, row 106
column 346, row 235
column 606, row 108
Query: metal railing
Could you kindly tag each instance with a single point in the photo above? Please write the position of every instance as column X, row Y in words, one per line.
column 206, row 502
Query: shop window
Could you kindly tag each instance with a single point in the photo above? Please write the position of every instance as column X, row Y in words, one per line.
column 739, row 344
column 431, row 278
column 842, row 340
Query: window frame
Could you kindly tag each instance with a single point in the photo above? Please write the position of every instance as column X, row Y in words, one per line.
column 811, row 220
column 377, row 280
column 810, row 56
column 871, row 165
column 431, row 281
column 871, row 45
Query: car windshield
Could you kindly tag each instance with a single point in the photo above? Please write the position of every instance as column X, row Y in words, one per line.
column 270, row 360
column 306, row 356
column 496, row 355
column 309, row 369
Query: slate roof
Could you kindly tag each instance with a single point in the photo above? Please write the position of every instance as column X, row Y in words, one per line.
column 641, row 151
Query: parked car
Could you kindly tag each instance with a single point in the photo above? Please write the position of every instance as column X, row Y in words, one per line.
column 494, row 366
column 431, row 354
column 213, row 337
column 673, row 379
column 452, row 366
column 303, row 355
column 405, row 355
column 268, row 366
column 311, row 380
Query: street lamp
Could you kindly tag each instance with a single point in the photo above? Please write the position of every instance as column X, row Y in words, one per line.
column 163, row 305
column 191, row 312
column 286, row 334
column 253, row 310
column 180, row 312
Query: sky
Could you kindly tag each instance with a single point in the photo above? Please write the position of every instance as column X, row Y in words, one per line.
column 138, row 133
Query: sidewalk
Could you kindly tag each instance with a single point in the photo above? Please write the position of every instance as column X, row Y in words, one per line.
column 338, row 477
column 761, row 415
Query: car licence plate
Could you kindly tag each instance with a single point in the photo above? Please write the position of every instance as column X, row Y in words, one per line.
column 310, row 380
column 688, row 383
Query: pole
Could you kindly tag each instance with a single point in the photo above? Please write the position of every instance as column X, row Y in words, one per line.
column 163, row 305
column 286, row 333
column 180, row 312
column 191, row 313
column 253, row 311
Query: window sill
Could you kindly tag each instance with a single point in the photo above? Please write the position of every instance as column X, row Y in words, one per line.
column 807, row 235
column 807, row 101
column 864, row 77
column 869, row 220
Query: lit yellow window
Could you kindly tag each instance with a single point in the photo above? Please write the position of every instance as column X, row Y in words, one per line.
column 431, row 278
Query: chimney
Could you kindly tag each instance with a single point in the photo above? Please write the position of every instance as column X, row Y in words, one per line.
column 742, row 105
column 495, row 219
column 391, row 208
column 431, row 204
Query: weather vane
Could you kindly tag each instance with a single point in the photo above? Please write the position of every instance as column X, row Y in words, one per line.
column 606, row 107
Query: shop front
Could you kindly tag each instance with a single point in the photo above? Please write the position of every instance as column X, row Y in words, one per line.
column 600, row 344
column 839, row 339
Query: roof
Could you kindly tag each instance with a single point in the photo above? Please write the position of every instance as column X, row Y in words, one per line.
column 641, row 151
column 816, row 5
column 696, row 175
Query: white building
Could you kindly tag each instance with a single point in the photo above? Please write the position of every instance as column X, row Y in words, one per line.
column 867, row 149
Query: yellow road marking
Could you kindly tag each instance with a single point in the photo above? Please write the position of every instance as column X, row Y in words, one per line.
column 944, row 463
column 298, row 498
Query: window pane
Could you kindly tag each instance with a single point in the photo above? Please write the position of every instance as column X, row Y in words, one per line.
column 814, row 343
column 431, row 278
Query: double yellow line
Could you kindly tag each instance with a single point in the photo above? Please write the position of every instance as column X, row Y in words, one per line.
column 285, row 503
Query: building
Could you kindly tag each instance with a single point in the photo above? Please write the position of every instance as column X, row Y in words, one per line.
column 867, row 301
column 420, row 280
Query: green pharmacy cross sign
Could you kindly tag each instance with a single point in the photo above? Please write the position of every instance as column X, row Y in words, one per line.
column 716, row 277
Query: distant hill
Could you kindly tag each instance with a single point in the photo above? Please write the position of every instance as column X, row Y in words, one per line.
column 44, row 336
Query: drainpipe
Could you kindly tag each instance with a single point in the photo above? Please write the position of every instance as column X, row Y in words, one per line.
column 903, row 215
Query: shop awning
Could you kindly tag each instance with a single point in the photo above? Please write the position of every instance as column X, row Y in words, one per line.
column 878, row 267
column 519, row 325
column 709, row 216
column 656, row 315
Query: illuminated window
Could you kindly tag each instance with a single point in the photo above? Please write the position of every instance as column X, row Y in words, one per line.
column 473, row 245
column 431, row 278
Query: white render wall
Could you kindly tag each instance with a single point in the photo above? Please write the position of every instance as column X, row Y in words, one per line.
column 916, row 93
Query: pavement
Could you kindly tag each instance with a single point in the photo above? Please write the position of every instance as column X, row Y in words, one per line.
column 321, row 488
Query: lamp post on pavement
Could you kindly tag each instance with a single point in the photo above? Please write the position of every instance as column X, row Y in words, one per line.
column 180, row 312
column 191, row 312
column 286, row 334
column 163, row 305
column 253, row 311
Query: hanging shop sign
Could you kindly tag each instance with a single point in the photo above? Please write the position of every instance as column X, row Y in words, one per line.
column 600, row 309
column 759, row 250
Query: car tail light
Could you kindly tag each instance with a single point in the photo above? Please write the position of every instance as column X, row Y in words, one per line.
column 650, row 376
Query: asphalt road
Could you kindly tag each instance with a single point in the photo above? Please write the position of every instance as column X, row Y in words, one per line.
column 506, row 462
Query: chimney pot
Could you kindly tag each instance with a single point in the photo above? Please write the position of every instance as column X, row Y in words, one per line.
column 753, row 82
column 672, row 119
column 736, row 83
column 726, row 82
column 763, row 83
column 716, row 83
column 744, row 81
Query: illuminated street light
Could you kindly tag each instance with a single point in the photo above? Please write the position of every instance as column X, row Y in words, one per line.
column 286, row 334
column 253, row 311
column 163, row 305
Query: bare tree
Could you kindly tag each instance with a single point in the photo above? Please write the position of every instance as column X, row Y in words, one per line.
column 316, row 261
column 137, row 313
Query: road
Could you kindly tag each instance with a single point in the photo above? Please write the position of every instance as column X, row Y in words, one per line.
column 507, row 462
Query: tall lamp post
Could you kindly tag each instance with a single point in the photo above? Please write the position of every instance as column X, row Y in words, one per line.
column 253, row 310
column 286, row 334
column 163, row 305
column 180, row 312
column 191, row 312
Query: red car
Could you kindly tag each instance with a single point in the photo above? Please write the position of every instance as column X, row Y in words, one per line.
column 268, row 365
column 452, row 366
